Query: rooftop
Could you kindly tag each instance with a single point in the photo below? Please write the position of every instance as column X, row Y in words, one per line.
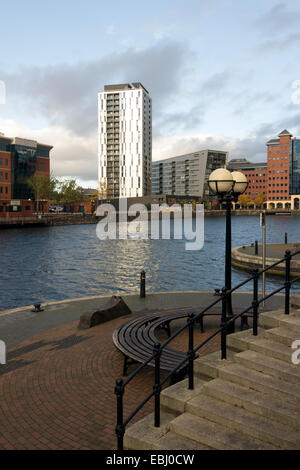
column 125, row 86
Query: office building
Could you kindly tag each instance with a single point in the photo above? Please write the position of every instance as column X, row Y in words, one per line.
column 19, row 160
column 256, row 174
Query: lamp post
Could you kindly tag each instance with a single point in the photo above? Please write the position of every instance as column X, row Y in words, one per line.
column 228, row 187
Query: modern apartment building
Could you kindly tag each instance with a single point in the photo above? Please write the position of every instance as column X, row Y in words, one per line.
column 124, row 141
column 187, row 174
column 19, row 160
column 256, row 174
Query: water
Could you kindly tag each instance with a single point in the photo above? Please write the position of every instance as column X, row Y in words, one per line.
column 57, row 263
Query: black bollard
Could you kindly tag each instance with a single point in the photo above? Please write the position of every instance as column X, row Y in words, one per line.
column 285, row 238
column 256, row 247
column 143, row 285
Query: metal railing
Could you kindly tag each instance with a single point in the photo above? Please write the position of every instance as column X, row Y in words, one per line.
column 188, row 361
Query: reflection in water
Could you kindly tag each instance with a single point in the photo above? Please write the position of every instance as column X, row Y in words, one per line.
column 56, row 263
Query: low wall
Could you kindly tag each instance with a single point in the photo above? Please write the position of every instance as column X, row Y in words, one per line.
column 249, row 262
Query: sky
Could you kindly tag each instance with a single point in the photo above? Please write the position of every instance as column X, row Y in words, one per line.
column 222, row 74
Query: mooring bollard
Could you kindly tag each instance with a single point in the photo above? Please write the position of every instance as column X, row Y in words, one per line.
column 143, row 285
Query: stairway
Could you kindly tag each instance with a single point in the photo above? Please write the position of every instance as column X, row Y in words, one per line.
column 249, row 401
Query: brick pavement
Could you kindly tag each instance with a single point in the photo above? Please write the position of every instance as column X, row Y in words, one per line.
column 57, row 389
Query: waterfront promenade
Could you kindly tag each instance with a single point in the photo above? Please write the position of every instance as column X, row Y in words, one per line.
column 57, row 387
column 246, row 257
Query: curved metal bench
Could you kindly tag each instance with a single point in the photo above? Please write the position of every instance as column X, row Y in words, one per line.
column 136, row 339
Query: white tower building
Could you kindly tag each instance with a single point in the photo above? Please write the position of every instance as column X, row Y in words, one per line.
column 124, row 141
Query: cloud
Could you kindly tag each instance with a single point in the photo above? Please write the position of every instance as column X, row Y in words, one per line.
column 66, row 94
column 277, row 19
column 72, row 155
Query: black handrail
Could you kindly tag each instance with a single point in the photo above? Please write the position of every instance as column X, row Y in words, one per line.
column 191, row 354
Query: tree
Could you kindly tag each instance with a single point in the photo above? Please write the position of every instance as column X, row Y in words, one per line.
column 260, row 199
column 44, row 188
column 69, row 191
column 244, row 200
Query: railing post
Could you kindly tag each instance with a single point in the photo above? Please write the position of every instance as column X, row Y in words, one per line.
column 157, row 386
column 287, row 281
column 143, row 285
column 120, row 431
column 224, row 324
column 191, row 354
column 255, row 302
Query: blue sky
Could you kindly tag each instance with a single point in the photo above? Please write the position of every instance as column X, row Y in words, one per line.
column 220, row 73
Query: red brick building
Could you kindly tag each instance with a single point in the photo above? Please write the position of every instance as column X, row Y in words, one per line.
column 19, row 160
column 278, row 151
column 256, row 174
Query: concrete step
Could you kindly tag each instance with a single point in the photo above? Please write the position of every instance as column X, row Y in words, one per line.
column 245, row 340
column 270, row 319
column 267, row 365
column 142, row 435
column 174, row 441
column 261, row 383
column 295, row 301
column 174, row 398
column 241, row 420
column 208, row 366
column 271, row 349
column 282, row 335
column 214, row 435
column 254, row 402
column 279, row 319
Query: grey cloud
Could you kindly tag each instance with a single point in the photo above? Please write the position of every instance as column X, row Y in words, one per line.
column 66, row 94
column 277, row 19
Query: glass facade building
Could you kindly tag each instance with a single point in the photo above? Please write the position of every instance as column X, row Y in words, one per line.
column 294, row 169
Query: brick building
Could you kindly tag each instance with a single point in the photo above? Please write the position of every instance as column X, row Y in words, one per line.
column 19, row 160
column 278, row 167
column 256, row 174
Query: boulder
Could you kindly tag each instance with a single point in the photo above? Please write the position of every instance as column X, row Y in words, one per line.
column 116, row 307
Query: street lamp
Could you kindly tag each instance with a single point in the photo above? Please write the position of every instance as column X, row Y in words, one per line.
column 228, row 187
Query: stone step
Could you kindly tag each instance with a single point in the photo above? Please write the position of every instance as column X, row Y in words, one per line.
column 208, row 366
column 270, row 319
column 142, row 435
column 282, row 335
column 271, row 349
column 261, row 383
column 175, row 397
column 245, row 340
column 174, row 441
column 241, row 420
column 267, row 365
column 214, row 435
column 279, row 319
column 254, row 402
column 295, row 301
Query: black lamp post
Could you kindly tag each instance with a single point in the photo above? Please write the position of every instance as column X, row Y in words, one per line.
column 228, row 187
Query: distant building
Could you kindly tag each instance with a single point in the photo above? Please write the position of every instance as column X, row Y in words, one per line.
column 19, row 160
column 187, row 175
column 124, row 141
column 256, row 174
